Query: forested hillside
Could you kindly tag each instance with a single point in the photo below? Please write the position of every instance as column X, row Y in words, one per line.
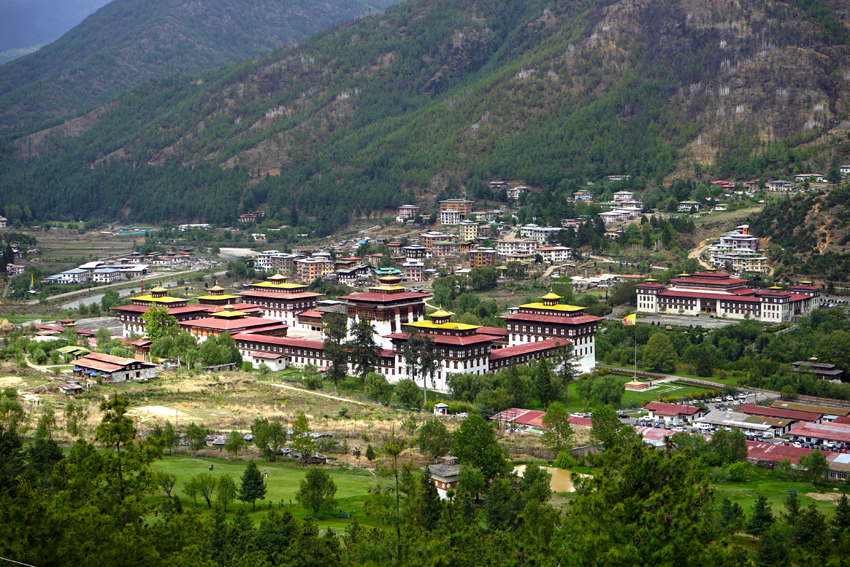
column 127, row 42
column 438, row 97
column 809, row 234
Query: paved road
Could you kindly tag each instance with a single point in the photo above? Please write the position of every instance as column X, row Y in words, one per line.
column 157, row 277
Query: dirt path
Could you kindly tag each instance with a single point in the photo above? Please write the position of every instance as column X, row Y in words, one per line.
column 695, row 253
column 303, row 391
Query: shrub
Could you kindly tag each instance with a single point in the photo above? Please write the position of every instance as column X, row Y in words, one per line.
column 565, row 460
column 738, row 472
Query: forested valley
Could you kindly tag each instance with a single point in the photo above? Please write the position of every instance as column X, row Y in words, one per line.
column 433, row 98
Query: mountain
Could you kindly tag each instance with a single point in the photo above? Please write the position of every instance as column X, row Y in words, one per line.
column 128, row 42
column 808, row 234
column 437, row 97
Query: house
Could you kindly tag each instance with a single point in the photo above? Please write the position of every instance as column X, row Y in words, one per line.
column 482, row 257
column 14, row 269
column 815, row 177
column 113, row 369
column 106, row 275
column 515, row 192
column 686, row 206
column 441, row 409
column 408, row 211
column 618, row 177
column 275, row 361
column 780, row 185
column 583, row 195
column 498, row 185
column 4, row 222
column 462, row 206
column 673, row 413
column 623, row 196
column 451, row 217
column 844, row 169
column 444, row 477
column 71, row 389
column 821, row 370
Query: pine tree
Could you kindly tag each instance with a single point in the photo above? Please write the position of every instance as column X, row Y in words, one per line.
column 431, row 507
column 252, row 486
column 541, row 379
column 841, row 518
column 762, row 518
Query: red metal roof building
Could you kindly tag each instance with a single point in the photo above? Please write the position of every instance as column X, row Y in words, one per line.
column 721, row 294
column 668, row 411
column 388, row 307
column 814, row 432
column 280, row 299
column 781, row 413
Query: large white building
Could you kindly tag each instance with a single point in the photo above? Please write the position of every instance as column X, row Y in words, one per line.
column 541, row 234
column 555, row 254
column 548, row 320
column 720, row 295
column 512, row 246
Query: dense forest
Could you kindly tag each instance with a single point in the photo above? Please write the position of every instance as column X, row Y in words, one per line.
column 102, row 502
column 126, row 43
column 433, row 97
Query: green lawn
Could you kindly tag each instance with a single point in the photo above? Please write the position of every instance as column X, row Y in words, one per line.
column 283, row 482
column 634, row 398
column 679, row 373
column 764, row 483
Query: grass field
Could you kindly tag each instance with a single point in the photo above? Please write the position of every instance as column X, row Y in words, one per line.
column 765, row 483
column 282, row 484
column 727, row 216
column 730, row 381
column 631, row 399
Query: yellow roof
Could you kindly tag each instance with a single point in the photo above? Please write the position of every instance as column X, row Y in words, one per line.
column 774, row 287
column 380, row 288
column 552, row 295
column 651, row 280
column 277, row 278
column 217, row 297
column 152, row 299
column 439, row 314
column 229, row 314
column 285, row 285
column 568, row 308
column 216, row 288
column 684, row 275
column 446, row 326
column 806, row 282
column 158, row 289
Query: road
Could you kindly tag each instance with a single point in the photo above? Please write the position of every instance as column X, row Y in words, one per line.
column 154, row 278
column 612, row 261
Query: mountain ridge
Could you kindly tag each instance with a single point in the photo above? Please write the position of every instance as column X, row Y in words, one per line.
column 127, row 42
column 435, row 98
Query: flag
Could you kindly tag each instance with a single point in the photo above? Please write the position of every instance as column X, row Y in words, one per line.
column 629, row 319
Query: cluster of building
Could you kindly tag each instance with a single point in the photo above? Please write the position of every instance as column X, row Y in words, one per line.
column 261, row 317
column 721, row 295
column 111, row 270
column 738, row 250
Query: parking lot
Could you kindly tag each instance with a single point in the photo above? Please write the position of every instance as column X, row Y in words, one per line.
column 682, row 321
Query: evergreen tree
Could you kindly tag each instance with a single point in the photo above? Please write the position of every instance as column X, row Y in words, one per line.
column 317, row 490
column 773, row 549
column 541, row 380
column 252, row 486
column 430, row 505
column 840, row 520
column 333, row 348
column 761, row 518
column 363, row 350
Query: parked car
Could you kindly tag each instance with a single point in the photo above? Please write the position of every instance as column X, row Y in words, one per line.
column 729, row 398
column 622, row 415
column 718, row 399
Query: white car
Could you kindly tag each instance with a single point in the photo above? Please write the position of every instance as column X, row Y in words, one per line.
column 730, row 399
column 797, row 444
column 742, row 396
column 679, row 429
column 767, row 435
column 718, row 399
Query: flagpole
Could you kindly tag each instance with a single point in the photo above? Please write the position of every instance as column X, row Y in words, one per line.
column 635, row 334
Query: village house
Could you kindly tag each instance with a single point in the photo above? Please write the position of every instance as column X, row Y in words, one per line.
column 482, row 257
column 780, row 185
column 451, row 217
column 413, row 271
column 468, row 231
column 810, row 177
column 113, row 369
column 673, row 413
column 583, row 195
column 408, row 211
column 555, row 254
column 515, row 192
column 508, row 246
column 462, row 206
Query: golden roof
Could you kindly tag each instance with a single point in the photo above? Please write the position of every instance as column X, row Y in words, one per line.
column 445, row 326
column 277, row 278
column 159, row 289
column 440, row 314
column 567, row 308
column 552, row 295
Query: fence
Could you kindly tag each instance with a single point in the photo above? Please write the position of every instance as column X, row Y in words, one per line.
column 549, row 455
